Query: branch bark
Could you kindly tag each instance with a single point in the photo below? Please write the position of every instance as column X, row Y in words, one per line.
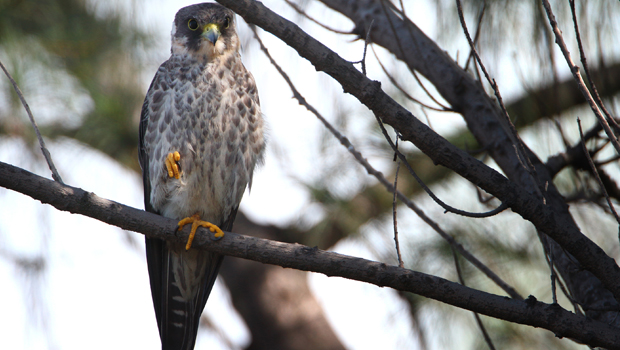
column 529, row 312
column 460, row 86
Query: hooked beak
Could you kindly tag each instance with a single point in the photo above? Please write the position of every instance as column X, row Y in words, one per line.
column 211, row 32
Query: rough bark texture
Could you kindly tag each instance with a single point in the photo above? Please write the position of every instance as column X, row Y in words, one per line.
column 531, row 312
column 485, row 121
column 521, row 193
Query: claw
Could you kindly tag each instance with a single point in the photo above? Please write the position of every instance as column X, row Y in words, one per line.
column 172, row 164
column 195, row 221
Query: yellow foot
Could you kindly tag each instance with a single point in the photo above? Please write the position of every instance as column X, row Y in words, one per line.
column 172, row 164
column 195, row 221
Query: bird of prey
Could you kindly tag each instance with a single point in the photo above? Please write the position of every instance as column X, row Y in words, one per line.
column 201, row 135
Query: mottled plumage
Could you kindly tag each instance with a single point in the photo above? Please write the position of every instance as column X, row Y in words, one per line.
column 204, row 104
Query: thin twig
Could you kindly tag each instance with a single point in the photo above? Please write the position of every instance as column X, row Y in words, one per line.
column 366, row 41
column 575, row 70
column 556, row 122
column 572, row 154
column 428, row 93
column 407, row 95
column 303, row 13
column 402, row 52
column 402, row 8
column 554, row 278
column 477, row 35
column 447, row 207
column 576, row 305
column 512, row 133
column 428, row 120
column 46, row 153
column 485, row 334
column 552, row 58
column 379, row 176
column 394, row 212
column 584, row 62
column 610, row 160
column 555, row 281
column 598, row 178
column 296, row 256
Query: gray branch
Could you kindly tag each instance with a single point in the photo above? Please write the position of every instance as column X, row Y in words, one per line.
column 561, row 322
column 550, row 219
column 591, row 287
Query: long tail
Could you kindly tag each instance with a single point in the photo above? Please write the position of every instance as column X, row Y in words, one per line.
column 180, row 285
column 181, row 282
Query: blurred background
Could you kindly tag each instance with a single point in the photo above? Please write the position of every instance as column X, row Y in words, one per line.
column 70, row 282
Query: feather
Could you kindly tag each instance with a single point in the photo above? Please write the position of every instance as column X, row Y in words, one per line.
column 202, row 103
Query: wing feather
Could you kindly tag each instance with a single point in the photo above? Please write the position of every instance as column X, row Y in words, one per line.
column 177, row 319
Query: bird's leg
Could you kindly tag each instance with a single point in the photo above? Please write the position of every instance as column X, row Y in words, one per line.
column 172, row 164
column 195, row 221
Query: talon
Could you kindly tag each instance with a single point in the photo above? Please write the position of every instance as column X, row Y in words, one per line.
column 172, row 164
column 195, row 221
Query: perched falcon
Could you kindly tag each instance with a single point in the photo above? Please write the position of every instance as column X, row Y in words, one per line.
column 201, row 134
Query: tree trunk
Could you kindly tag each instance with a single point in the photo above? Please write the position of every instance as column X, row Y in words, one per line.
column 276, row 303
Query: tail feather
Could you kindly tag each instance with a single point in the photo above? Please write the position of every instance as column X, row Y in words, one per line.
column 181, row 282
column 178, row 306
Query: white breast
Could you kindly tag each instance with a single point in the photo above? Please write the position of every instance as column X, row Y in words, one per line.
column 201, row 121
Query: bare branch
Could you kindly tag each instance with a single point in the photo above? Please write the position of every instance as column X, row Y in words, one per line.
column 584, row 61
column 441, row 203
column 575, row 70
column 561, row 322
column 596, row 175
column 303, row 13
column 572, row 155
column 553, row 220
column 394, row 212
column 485, row 334
column 407, row 95
column 366, row 42
column 390, row 188
column 477, row 35
column 46, row 152
column 400, row 47
column 512, row 132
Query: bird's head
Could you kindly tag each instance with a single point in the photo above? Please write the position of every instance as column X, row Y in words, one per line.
column 205, row 31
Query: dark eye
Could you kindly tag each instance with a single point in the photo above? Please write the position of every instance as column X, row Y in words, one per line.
column 192, row 24
column 226, row 22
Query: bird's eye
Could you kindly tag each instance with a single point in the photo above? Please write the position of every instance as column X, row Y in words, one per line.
column 226, row 22
column 192, row 24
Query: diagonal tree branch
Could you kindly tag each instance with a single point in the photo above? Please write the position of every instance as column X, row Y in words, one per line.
column 528, row 312
column 392, row 187
column 525, row 203
column 575, row 70
column 484, row 120
column 44, row 150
